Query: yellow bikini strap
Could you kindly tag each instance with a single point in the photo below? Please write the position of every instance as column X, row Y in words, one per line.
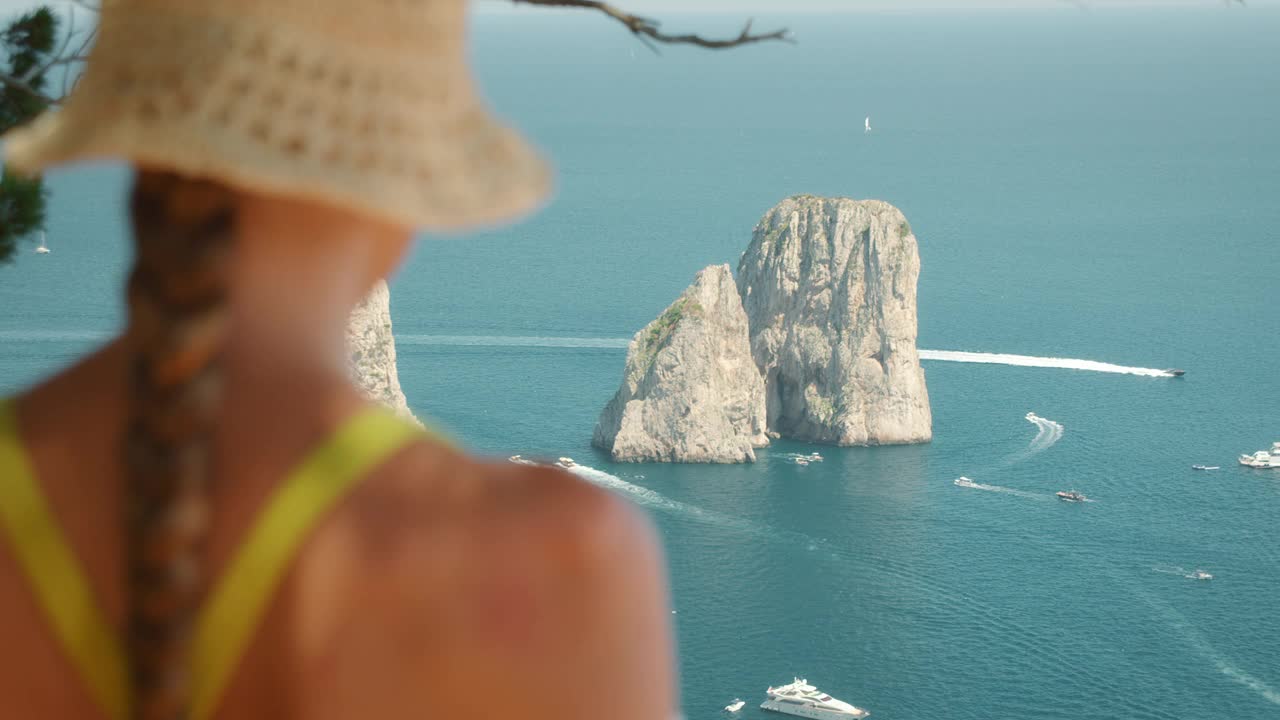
column 61, row 588
column 235, row 608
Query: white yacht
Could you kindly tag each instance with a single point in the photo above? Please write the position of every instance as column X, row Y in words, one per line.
column 735, row 706
column 1263, row 458
column 804, row 700
column 43, row 248
column 566, row 462
column 1205, row 467
column 867, row 125
column 814, row 457
column 963, row 481
column 1198, row 574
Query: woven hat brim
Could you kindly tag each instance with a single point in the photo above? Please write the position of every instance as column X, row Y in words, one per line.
column 249, row 106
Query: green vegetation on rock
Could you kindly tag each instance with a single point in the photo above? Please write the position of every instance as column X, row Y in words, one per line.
column 26, row 44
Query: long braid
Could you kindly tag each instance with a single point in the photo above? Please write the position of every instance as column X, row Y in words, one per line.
column 184, row 231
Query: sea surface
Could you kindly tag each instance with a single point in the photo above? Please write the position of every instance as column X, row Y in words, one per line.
column 1095, row 185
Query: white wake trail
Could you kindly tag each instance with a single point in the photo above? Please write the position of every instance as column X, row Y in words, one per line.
column 553, row 341
column 965, row 482
column 656, row 500
column 1040, row 362
column 1048, row 433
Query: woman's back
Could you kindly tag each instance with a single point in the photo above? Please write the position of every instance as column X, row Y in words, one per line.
column 438, row 586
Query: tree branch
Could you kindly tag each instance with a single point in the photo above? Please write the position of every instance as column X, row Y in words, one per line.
column 646, row 29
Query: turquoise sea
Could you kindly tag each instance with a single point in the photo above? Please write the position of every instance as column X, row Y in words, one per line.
column 1098, row 185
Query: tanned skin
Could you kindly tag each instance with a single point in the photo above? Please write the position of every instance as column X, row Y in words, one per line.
column 441, row 587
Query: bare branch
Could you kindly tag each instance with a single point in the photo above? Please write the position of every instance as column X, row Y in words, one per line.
column 646, row 29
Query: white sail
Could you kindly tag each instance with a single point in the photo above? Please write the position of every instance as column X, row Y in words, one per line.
column 43, row 249
column 868, row 125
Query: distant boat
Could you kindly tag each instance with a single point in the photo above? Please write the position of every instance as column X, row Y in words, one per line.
column 735, row 706
column 1205, row 467
column 801, row 461
column 43, row 249
column 1071, row 496
column 566, row 462
column 1263, row 459
column 868, row 125
column 1175, row 372
column 1198, row 574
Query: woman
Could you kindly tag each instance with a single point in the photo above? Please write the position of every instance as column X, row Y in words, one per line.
column 204, row 519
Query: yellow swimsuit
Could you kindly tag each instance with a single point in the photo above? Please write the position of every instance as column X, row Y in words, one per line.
column 237, row 602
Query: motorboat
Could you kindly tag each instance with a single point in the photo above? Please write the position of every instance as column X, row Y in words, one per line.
column 1071, row 496
column 735, row 706
column 804, row 700
column 1198, row 574
column 566, row 462
column 801, row 461
column 1205, row 467
column 1263, row 459
column 814, row 457
column 1175, row 372
column 963, row 481
column 521, row 460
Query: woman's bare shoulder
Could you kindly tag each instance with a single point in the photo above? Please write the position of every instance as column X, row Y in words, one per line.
column 510, row 581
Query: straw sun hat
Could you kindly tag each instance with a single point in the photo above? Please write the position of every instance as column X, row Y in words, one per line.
column 366, row 105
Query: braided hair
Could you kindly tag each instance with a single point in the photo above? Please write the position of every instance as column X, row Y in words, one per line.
column 178, row 318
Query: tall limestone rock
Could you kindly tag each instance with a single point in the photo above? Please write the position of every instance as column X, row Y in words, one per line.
column 690, row 391
column 373, row 351
column 829, row 288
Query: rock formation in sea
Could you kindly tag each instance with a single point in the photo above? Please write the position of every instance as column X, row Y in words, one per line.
column 690, row 390
column 829, row 288
column 373, row 351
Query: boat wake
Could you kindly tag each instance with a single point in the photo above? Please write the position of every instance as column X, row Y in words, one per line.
column 965, row 482
column 1048, row 433
column 1193, row 637
column 652, row 499
column 1039, row 362
column 552, row 341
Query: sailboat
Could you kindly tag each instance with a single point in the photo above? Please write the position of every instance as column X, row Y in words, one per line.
column 43, row 249
column 868, row 124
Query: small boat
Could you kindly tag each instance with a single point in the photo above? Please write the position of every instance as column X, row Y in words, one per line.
column 1198, row 574
column 1205, row 467
column 963, row 481
column 1263, row 459
column 1071, row 496
column 735, row 706
column 521, row 460
column 801, row 461
column 566, row 462
column 43, row 248
column 814, row 457
column 867, row 125
column 1175, row 372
